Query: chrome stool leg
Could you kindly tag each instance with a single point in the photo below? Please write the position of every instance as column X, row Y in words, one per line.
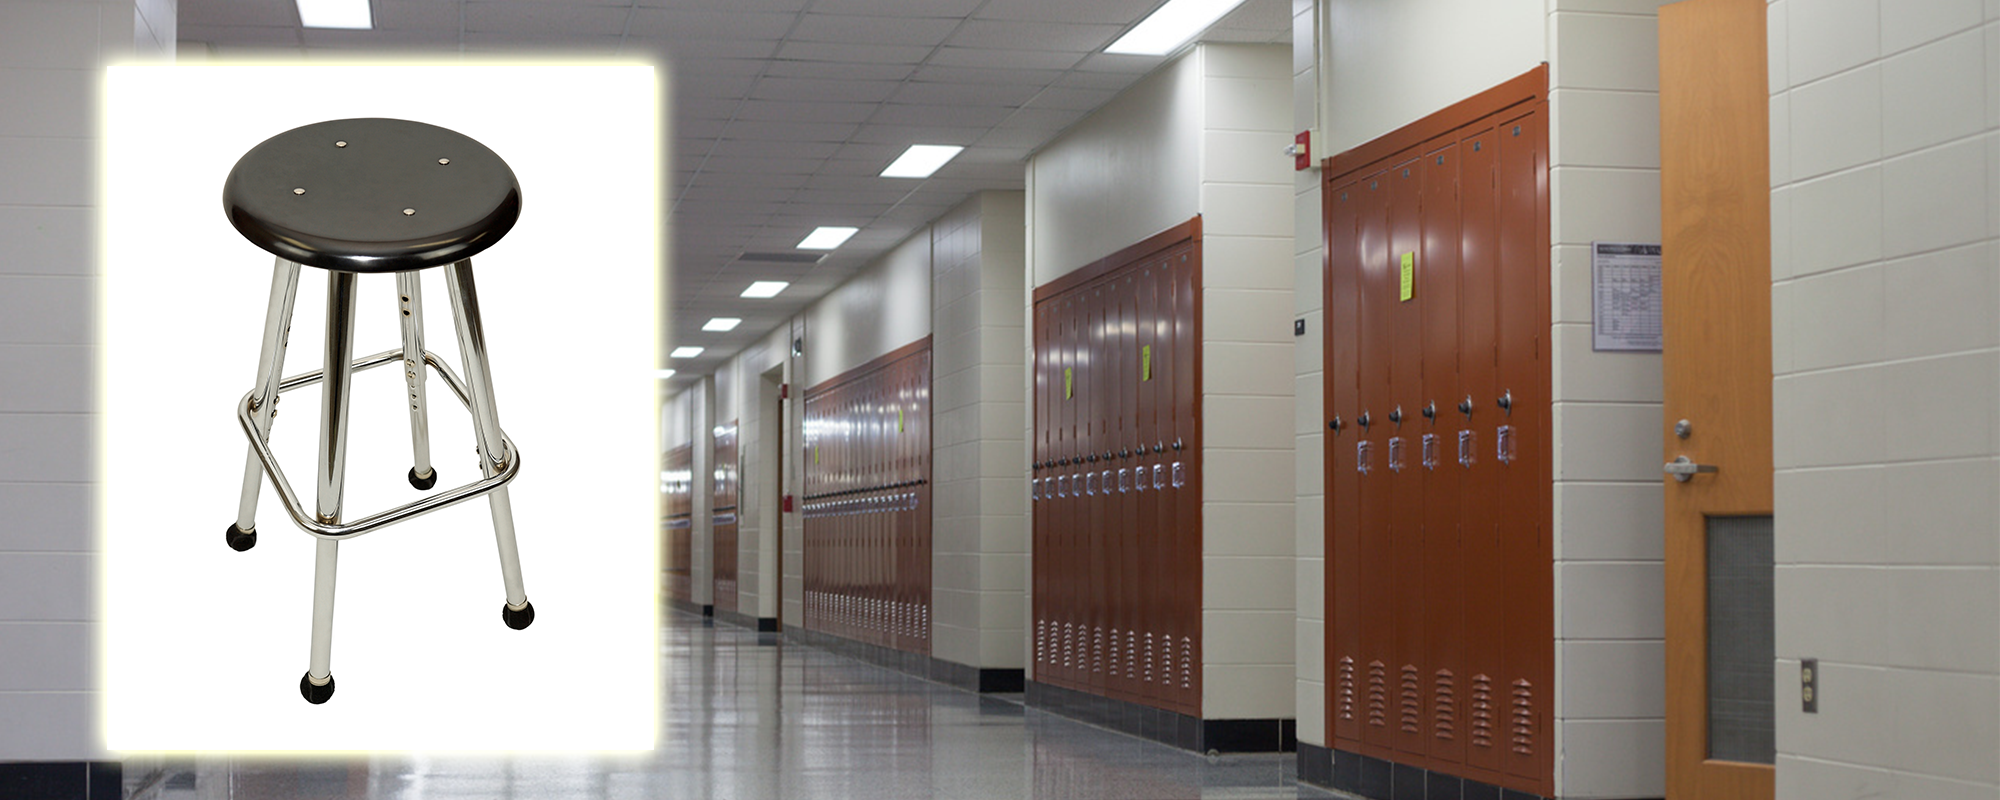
column 409, row 286
column 270, row 370
column 518, row 612
column 317, row 685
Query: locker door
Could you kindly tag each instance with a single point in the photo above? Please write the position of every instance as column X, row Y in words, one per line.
column 1444, row 573
column 1096, row 383
column 1346, row 666
column 1479, row 508
column 1186, row 486
column 1069, row 553
column 1520, row 451
column 1038, row 443
column 1129, row 456
column 1377, row 291
column 1150, row 557
column 1115, row 389
column 1401, row 475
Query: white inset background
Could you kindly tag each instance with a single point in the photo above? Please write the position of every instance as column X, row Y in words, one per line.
column 204, row 645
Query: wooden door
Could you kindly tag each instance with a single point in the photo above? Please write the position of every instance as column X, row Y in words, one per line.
column 1716, row 283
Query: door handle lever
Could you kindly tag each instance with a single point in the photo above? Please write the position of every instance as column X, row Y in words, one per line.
column 1684, row 470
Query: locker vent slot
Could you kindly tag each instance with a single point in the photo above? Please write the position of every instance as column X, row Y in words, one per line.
column 1482, row 711
column 1131, row 654
column 1149, row 658
column 1413, row 704
column 1343, row 688
column 1446, row 714
column 1114, row 652
column 1097, row 649
column 1524, row 718
column 1378, row 694
column 1166, row 660
column 1187, row 663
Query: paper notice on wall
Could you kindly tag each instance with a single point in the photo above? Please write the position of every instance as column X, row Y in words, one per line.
column 1625, row 297
column 1407, row 279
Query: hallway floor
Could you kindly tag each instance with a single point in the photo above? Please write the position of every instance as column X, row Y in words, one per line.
column 749, row 717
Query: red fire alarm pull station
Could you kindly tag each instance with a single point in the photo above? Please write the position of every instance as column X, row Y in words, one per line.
column 1301, row 151
column 788, row 504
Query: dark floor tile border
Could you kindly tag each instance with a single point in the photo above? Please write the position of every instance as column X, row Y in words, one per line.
column 1377, row 779
column 684, row 605
column 734, row 618
column 708, row 609
column 1166, row 727
column 62, row 780
column 767, row 624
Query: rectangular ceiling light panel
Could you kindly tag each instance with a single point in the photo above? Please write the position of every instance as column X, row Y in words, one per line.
column 722, row 324
column 685, row 352
column 351, row 14
column 826, row 237
column 1171, row 26
column 765, row 289
column 921, row 160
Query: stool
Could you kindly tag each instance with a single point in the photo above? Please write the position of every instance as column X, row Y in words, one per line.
column 358, row 196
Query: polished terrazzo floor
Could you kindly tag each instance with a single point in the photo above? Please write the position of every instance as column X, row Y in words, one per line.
column 750, row 717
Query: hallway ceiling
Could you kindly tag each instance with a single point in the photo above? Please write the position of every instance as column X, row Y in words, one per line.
column 783, row 111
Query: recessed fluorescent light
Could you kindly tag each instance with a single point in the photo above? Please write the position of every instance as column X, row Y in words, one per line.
column 663, row 374
column 335, row 14
column 826, row 237
column 921, row 160
column 1171, row 26
column 765, row 289
column 721, row 324
column 685, row 352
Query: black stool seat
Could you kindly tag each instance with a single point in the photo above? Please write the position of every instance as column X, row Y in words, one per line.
column 372, row 195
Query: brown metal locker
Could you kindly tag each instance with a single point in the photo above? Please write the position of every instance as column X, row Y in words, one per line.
column 1186, row 482
column 723, row 519
column 1440, row 650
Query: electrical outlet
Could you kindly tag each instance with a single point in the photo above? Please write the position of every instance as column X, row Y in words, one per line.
column 1809, row 685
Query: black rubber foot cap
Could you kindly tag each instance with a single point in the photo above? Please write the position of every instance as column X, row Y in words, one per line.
column 423, row 484
column 518, row 619
column 240, row 540
column 315, row 694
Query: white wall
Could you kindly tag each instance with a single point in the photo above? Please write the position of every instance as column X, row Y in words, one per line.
column 51, row 55
column 1120, row 176
column 1391, row 62
column 884, row 306
column 979, row 530
column 1380, row 67
column 1885, row 172
column 1308, row 390
column 740, row 396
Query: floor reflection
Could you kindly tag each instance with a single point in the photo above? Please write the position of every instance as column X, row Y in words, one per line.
column 748, row 717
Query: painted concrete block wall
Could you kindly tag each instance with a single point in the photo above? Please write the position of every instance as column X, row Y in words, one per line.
column 1388, row 64
column 740, row 396
column 1204, row 135
column 884, row 306
column 979, row 533
column 1885, row 199
column 1308, row 390
column 1609, row 514
column 51, row 59
column 1246, row 189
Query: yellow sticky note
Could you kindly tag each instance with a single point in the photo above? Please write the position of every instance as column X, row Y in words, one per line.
column 1145, row 362
column 1409, row 275
column 815, row 455
column 1069, row 383
column 899, row 420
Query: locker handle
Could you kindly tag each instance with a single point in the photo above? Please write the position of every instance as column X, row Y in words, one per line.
column 1093, row 458
column 1430, row 411
column 1506, row 401
column 1396, row 415
column 1177, row 444
column 1334, row 424
column 1363, row 420
column 1465, row 406
column 1107, row 455
column 1125, row 453
column 1158, row 447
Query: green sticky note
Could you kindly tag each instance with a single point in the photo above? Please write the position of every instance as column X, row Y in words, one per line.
column 899, row 420
column 1069, row 383
column 1409, row 276
column 815, row 455
column 1145, row 362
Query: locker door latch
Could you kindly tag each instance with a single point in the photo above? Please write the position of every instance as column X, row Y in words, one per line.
column 1684, row 469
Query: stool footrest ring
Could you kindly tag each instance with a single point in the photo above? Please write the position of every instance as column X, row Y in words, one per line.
column 308, row 522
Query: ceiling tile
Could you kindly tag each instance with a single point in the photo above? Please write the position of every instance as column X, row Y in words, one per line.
column 1003, row 59
column 963, row 94
column 823, row 90
column 981, row 117
column 1007, row 75
column 766, row 131
column 898, row 8
column 1072, row 99
column 687, row 25
column 756, row 147
column 913, row 134
column 802, row 111
column 1109, row 62
column 854, row 53
column 1076, row 38
column 237, row 35
column 849, row 29
column 522, row 16
column 1117, row 12
column 1273, row 16
column 236, row 12
column 418, row 16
